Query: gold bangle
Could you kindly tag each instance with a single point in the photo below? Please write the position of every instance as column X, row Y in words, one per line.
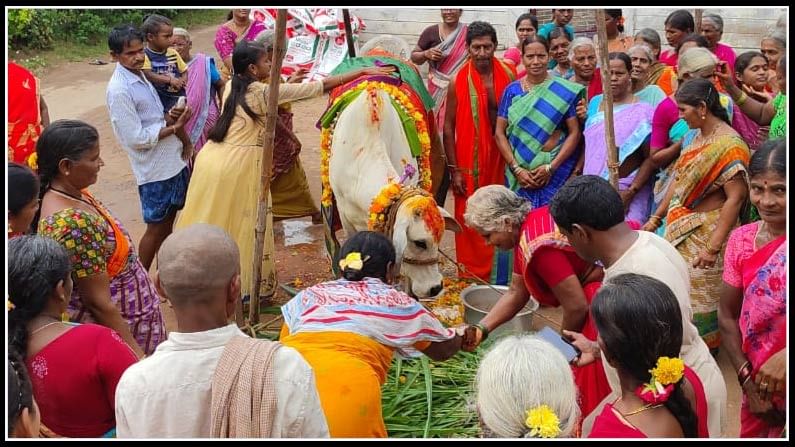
column 548, row 167
column 655, row 218
column 742, row 99
column 712, row 250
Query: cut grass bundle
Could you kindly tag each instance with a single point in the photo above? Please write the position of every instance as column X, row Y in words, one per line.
column 426, row 399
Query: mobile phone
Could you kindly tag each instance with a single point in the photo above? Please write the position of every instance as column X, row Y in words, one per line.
column 181, row 102
column 569, row 351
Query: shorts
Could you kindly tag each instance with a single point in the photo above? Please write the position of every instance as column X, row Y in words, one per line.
column 160, row 199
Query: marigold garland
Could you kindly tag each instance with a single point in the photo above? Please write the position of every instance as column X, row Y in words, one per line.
column 380, row 204
column 420, row 121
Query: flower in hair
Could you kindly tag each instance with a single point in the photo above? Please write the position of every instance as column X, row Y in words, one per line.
column 9, row 305
column 353, row 261
column 664, row 376
column 543, row 422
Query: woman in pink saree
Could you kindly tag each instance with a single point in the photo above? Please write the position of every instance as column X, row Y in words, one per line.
column 239, row 27
column 753, row 305
column 204, row 89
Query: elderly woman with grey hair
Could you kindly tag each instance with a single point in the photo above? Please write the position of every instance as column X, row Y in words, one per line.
column 582, row 54
column 642, row 57
column 521, row 382
column 224, row 188
column 712, row 30
column 774, row 47
column 658, row 73
column 546, row 267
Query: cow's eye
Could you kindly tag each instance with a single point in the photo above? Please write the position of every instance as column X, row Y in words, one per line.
column 421, row 245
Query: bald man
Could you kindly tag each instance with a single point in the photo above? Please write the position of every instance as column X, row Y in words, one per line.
column 179, row 391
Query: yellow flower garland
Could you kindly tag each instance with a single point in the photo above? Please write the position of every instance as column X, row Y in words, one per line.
column 422, row 132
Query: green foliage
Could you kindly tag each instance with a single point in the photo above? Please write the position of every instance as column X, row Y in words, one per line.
column 42, row 28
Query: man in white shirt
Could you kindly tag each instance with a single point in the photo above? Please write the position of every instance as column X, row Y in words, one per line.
column 156, row 154
column 171, row 393
column 589, row 212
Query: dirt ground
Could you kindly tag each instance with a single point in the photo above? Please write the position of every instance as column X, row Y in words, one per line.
column 77, row 91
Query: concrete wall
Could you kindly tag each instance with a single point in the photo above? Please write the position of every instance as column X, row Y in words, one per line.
column 743, row 27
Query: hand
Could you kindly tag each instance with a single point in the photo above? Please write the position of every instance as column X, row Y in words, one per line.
column 589, row 349
column 472, row 338
column 378, row 71
column 705, row 260
column 175, row 113
column 759, row 96
column 626, row 197
column 723, row 75
column 459, row 186
column 187, row 152
column 525, row 179
column 651, row 226
column 581, row 110
column 297, row 76
column 183, row 117
column 541, row 176
column 433, row 54
column 761, row 408
column 771, row 377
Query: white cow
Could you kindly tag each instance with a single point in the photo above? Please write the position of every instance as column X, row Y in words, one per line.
column 368, row 150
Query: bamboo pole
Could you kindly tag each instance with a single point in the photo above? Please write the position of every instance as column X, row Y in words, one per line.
column 267, row 162
column 610, row 135
column 698, row 14
column 346, row 16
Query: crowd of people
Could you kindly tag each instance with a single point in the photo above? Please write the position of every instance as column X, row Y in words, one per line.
column 686, row 255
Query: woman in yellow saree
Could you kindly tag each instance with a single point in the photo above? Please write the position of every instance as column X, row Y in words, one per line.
column 710, row 187
column 348, row 330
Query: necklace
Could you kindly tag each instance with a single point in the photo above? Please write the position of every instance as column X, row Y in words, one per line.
column 640, row 410
column 44, row 327
column 69, row 196
column 526, row 84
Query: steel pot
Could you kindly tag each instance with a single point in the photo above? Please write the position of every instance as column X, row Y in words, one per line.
column 478, row 301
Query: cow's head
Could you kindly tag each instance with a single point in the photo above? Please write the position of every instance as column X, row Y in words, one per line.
column 416, row 234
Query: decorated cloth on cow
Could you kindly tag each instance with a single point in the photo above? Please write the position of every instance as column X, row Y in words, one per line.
column 406, row 73
column 481, row 164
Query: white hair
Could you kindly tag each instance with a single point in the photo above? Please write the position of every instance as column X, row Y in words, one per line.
column 643, row 47
column 580, row 42
column 518, row 374
column 182, row 32
column 495, row 208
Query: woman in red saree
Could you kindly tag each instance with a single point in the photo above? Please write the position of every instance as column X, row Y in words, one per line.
column 27, row 115
column 753, row 303
column 73, row 369
column 546, row 268
column 640, row 333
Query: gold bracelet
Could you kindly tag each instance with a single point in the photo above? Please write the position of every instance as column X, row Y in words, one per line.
column 655, row 218
column 742, row 99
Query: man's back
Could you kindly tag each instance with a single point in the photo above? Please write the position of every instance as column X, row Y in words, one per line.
column 168, row 395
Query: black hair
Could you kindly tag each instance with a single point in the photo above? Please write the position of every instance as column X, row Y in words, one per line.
column 35, row 266
column 558, row 32
column 124, row 35
column 700, row 40
column 623, row 57
column 62, row 139
column 615, row 14
column 20, row 389
column 587, row 200
column 480, row 28
column 639, row 320
column 23, row 187
column 533, row 39
column 245, row 53
column 694, row 91
column 744, row 60
column 374, row 247
column 153, row 22
column 230, row 15
column 527, row 16
column 651, row 37
column 682, row 20
column 771, row 156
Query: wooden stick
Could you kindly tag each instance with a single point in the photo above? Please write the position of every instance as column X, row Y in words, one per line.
column 271, row 116
column 346, row 16
column 698, row 15
column 610, row 135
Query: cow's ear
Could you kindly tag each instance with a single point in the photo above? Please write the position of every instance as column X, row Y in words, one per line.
column 449, row 222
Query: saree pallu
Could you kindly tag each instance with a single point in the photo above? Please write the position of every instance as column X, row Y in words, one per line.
column 481, row 164
column 533, row 118
column 201, row 100
column 698, row 172
column 753, row 134
column 663, row 76
column 632, row 130
column 763, row 324
column 24, row 119
column 226, row 39
column 454, row 55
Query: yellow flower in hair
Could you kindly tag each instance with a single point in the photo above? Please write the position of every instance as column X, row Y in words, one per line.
column 543, row 422
column 668, row 370
column 33, row 161
column 9, row 306
column 353, row 261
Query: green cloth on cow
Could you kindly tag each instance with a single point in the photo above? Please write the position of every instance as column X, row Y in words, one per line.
column 409, row 127
column 407, row 73
column 331, row 112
